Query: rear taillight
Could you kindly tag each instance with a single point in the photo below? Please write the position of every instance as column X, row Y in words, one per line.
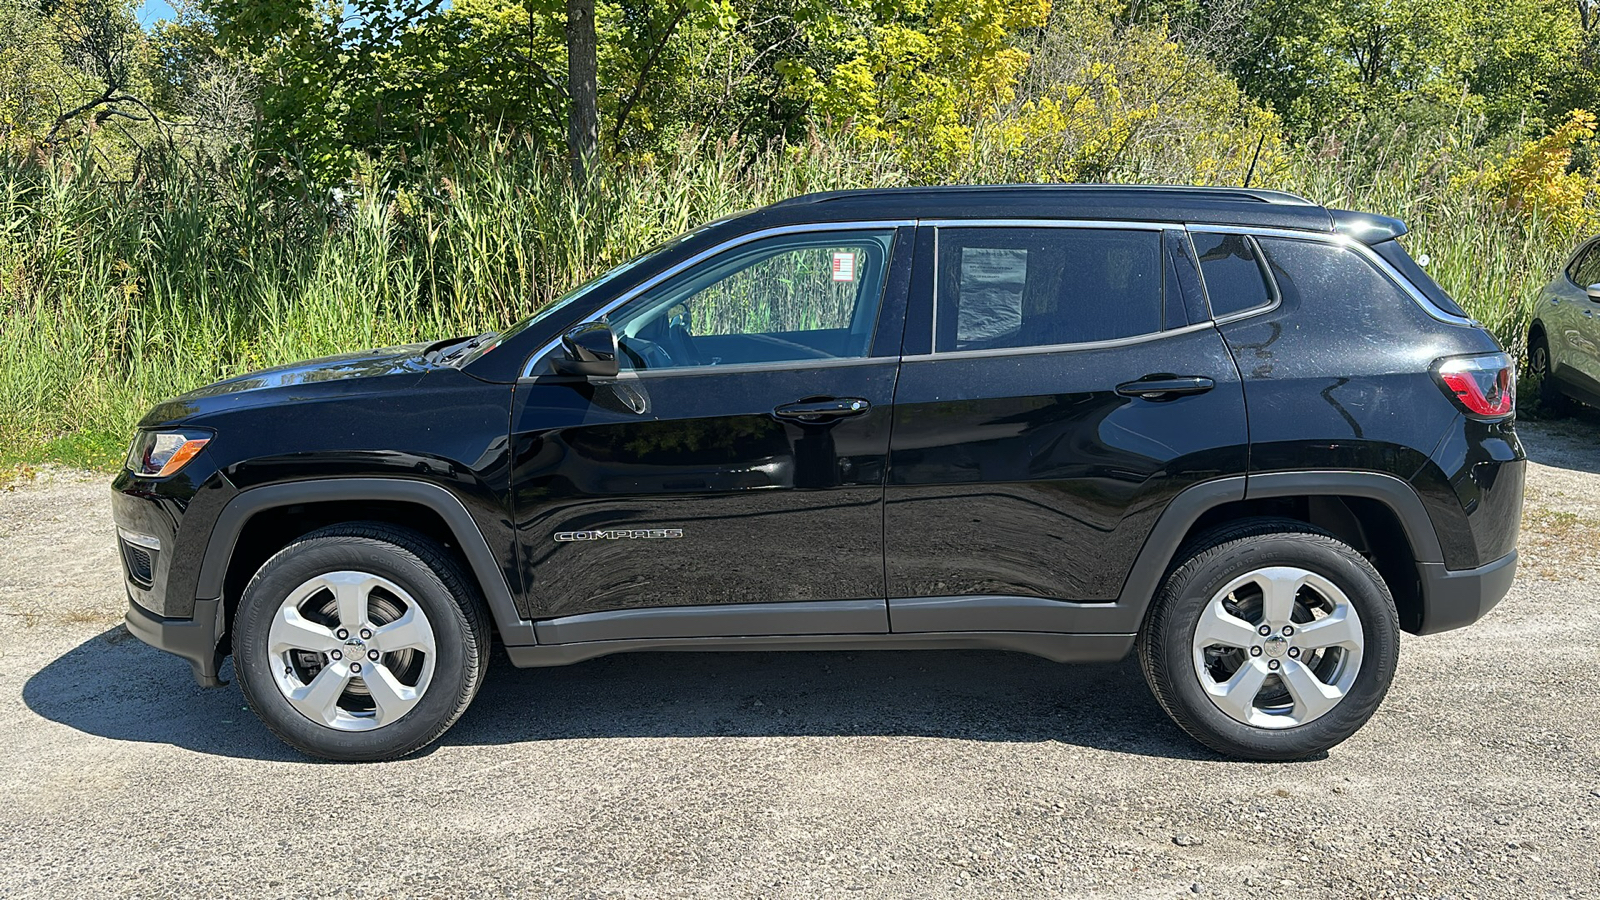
column 1485, row 387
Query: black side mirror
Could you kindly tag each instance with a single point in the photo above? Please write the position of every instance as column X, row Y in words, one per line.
column 590, row 350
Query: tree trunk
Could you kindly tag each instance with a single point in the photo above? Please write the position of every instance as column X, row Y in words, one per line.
column 583, row 108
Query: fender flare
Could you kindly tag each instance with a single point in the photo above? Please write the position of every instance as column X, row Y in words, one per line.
column 1165, row 539
column 491, row 580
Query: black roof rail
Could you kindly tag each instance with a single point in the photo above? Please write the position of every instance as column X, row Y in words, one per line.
column 1248, row 195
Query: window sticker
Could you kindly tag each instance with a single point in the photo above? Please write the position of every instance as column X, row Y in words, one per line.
column 844, row 267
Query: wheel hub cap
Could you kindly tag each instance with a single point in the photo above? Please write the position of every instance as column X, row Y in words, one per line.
column 1275, row 647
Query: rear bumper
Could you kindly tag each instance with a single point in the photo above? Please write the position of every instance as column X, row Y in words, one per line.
column 197, row 640
column 1454, row 599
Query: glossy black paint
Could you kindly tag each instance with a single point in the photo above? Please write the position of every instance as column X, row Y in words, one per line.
column 1028, row 474
column 967, row 490
column 1342, row 380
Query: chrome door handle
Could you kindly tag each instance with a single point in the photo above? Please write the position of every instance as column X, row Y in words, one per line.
column 813, row 411
column 1165, row 387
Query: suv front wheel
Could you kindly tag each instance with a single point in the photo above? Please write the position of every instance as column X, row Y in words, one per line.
column 360, row 642
column 1271, row 641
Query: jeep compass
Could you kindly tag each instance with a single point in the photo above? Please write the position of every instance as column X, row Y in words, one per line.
column 1231, row 431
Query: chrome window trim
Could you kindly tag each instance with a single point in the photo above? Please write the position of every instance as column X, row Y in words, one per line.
column 1349, row 243
column 702, row 256
column 1058, row 348
column 1112, row 224
column 738, row 368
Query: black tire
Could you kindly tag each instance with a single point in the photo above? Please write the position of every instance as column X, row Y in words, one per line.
column 433, row 580
column 1553, row 403
column 1205, row 567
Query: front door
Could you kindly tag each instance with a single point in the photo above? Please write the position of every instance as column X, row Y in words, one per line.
column 730, row 480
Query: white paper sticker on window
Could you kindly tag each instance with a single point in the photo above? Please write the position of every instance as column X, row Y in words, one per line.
column 844, row 267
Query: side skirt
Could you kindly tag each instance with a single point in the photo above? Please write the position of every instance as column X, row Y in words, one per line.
column 1057, row 647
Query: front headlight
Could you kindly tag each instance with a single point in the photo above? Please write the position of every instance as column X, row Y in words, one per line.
column 157, row 454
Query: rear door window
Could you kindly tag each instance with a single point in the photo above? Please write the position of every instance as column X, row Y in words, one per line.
column 1230, row 265
column 1029, row 286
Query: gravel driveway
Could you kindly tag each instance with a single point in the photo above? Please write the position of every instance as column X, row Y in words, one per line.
column 949, row 774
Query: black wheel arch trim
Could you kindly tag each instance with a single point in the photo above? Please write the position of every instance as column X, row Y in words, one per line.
column 1164, row 541
column 491, row 580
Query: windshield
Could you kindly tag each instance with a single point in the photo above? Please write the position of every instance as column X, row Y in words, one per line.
column 573, row 296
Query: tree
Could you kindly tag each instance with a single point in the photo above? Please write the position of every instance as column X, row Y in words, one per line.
column 583, row 108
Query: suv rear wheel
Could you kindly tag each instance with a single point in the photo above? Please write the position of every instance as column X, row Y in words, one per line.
column 360, row 642
column 1271, row 641
column 1552, row 402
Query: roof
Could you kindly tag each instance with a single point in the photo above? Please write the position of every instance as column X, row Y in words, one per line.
column 1102, row 202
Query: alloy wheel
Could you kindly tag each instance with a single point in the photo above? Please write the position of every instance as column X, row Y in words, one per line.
column 1278, row 647
column 351, row 650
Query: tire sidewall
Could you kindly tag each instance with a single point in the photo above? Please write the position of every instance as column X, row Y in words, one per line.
column 1316, row 553
column 302, row 562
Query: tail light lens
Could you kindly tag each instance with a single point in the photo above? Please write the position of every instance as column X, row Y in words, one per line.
column 1485, row 387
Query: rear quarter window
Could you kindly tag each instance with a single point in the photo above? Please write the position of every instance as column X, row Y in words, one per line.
column 1230, row 265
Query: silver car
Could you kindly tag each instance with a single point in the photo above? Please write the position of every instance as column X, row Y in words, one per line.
column 1564, row 339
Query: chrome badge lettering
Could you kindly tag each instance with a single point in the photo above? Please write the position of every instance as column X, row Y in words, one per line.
column 617, row 534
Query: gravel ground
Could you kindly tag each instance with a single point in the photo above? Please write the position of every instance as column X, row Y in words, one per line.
column 932, row 774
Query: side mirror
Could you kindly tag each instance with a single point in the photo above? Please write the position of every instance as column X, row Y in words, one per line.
column 590, row 350
column 1594, row 292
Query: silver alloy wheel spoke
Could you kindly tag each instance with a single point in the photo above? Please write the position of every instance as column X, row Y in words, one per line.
column 1279, row 586
column 350, row 590
column 319, row 700
column 1337, row 629
column 410, row 631
column 1218, row 626
column 391, row 698
column 292, row 631
column 1312, row 698
column 1237, row 695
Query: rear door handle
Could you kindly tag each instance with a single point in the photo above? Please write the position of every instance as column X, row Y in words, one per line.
column 1165, row 387
column 822, row 410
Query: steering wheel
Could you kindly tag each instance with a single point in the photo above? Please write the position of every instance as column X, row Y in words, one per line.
column 680, row 343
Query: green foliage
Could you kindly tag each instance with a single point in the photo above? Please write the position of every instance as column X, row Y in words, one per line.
column 1539, row 182
column 1323, row 63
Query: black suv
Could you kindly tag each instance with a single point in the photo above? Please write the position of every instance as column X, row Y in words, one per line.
column 1240, row 433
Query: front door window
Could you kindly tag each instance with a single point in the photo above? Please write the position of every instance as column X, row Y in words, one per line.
column 782, row 300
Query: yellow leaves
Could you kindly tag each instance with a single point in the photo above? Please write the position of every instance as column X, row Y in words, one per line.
column 1538, row 180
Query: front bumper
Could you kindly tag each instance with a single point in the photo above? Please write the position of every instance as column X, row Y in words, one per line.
column 198, row 640
column 1455, row 599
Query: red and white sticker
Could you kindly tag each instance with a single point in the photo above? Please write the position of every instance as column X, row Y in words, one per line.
column 844, row 267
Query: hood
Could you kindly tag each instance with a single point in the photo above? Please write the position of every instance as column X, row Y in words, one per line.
column 383, row 369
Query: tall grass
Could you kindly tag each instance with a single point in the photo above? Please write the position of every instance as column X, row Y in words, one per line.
column 113, row 297
column 1492, row 260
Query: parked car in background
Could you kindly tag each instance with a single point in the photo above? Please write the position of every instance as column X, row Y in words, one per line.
column 1232, row 431
column 1564, row 338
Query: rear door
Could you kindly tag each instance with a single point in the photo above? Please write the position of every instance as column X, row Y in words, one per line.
column 730, row 480
column 1060, row 387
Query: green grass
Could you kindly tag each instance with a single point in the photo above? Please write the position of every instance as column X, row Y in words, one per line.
column 114, row 297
